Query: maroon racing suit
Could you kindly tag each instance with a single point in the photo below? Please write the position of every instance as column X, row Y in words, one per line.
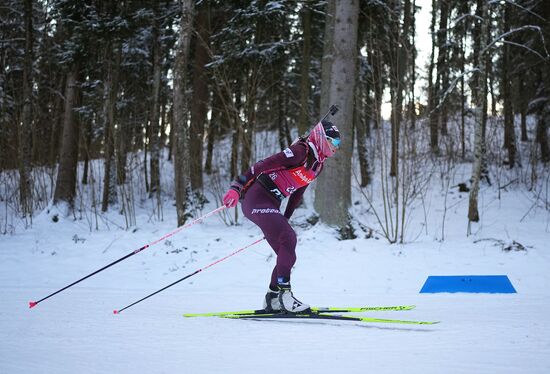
column 266, row 184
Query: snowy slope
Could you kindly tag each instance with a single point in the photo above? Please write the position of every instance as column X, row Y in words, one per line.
column 76, row 331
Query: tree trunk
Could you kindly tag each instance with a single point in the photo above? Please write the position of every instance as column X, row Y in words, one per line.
column 378, row 90
column 361, row 135
column 523, row 111
column 399, row 68
column 234, row 120
column 57, row 126
column 181, row 153
column 304, row 120
column 462, row 97
column 333, row 193
column 280, row 121
column 375, row 61
column 213, row 129
column 87, row 144
column 509, row 132
column 286, row 105
column 25, row 132
column 493, row 95
column 121, row 150
column 249, row 127
column 154, row 138
column 412, row 65
column 199, row 100
column 480, row 100
column 443, row 65
column 433, row 89
column 170, row 135
column 542, row 136
column 110, row 94
column 328, row 57
column 65, row 190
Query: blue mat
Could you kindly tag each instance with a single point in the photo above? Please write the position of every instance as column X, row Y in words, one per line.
column 468, row 283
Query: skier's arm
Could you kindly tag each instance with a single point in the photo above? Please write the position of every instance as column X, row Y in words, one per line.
column 293, row 201
column 290, row 157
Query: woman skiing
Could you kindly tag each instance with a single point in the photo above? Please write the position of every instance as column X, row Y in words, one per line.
column 265, row 185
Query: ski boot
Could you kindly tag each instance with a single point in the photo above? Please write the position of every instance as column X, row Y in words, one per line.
column 288, row 302
column 271, row 301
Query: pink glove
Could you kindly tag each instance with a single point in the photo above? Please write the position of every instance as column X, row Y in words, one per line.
column 231, row 198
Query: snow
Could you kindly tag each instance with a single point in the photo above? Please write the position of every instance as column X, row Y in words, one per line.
column 76, row 330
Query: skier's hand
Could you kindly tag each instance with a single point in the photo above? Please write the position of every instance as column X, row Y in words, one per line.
column 231, row 198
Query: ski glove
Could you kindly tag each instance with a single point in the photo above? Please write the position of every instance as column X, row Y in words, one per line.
column 231, row 197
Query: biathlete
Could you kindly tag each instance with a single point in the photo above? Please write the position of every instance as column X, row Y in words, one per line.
column 265, row 185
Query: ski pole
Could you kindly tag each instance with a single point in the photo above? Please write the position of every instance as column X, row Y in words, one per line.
column 32, row 304
column 190, row 275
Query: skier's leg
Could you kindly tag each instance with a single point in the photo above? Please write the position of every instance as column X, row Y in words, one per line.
column 284, row 244
column 283, row 239
column 286, row 258
column 263, row 209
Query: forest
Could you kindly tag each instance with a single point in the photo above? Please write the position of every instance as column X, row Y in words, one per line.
column 97, row 97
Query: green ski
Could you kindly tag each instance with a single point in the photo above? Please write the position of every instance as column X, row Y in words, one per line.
column 326, row 316
column 260, row 312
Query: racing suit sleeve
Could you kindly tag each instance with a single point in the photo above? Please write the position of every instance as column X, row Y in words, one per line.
column 291, row 157
column 293, row 201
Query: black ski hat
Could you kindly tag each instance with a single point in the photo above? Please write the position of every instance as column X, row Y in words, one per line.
column 330, row 129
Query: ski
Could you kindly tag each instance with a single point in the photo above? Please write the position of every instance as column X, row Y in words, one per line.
column 259, row 312
column 326, row 316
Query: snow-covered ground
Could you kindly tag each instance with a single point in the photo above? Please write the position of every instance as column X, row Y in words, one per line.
column 76, row 330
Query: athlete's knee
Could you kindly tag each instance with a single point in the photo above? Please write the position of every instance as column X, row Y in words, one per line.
column 287, row 245
column 287, row 239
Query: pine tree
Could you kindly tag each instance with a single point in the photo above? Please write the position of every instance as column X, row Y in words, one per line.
column 333, row 192
column 181, row 154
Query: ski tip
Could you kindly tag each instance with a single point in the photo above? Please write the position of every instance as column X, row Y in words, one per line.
column 115, row 311
column 32, row 304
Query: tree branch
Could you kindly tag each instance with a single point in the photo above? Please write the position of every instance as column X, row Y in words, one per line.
column 526, row 27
